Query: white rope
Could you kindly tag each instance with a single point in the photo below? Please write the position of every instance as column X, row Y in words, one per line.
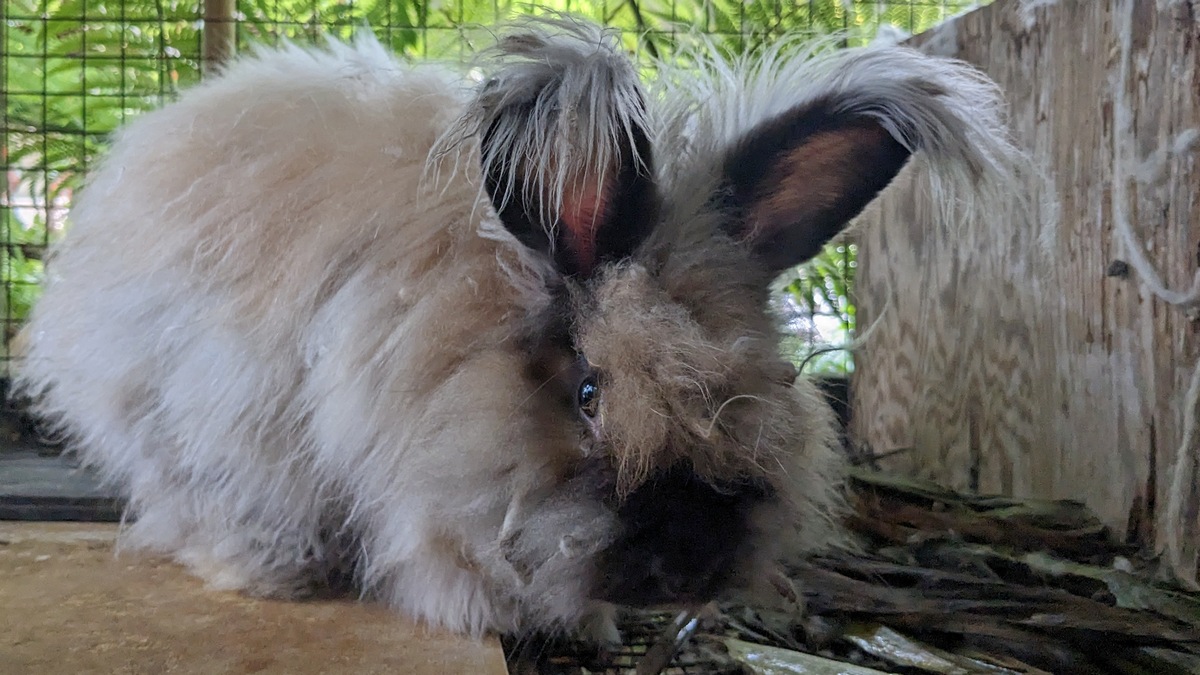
column 1185, row 454
column 1185, row 462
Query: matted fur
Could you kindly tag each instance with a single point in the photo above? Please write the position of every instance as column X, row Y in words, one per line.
column 301, row 358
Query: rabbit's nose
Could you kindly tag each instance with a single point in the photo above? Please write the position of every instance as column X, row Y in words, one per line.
column 682, row 540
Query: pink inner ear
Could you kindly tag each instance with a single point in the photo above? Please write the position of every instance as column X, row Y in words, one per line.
column 582, row 215
column 813, row 178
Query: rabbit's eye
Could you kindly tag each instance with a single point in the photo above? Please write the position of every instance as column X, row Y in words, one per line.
column 589, row 397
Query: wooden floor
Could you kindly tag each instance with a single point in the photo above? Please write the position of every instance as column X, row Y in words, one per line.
column 68, row 605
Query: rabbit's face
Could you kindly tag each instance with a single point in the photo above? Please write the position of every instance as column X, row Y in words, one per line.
column 677, row 372
column 684, row 394
column 668, row 366
column 658, row 349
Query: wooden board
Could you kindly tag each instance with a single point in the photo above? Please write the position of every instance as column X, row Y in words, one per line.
column 1032, row 371
column 52, row 488
column 68, row 605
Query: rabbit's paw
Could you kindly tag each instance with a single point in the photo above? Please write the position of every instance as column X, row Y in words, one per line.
column 600, row 628
column 514, row 555
column 792, row 600
column 590, row 539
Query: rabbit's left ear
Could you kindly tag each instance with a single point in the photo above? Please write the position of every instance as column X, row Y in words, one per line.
column 794, row 182
column 565, row 153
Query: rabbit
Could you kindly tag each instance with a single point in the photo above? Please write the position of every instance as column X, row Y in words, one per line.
column 491, row 342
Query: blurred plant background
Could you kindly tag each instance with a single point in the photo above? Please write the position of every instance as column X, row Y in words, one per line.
column 74, row 70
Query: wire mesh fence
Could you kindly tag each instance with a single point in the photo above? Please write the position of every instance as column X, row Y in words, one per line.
column 74, row 70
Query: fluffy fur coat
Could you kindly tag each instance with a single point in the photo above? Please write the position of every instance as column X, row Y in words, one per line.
column 499, row 354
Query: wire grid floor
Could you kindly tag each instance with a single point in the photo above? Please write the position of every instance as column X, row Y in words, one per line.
column 639, row 633
column 74, row 70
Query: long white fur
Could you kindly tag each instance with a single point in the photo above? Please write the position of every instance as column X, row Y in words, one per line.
column 948, row 112
column 264, row 326
column 563, row 99
column 258, row 323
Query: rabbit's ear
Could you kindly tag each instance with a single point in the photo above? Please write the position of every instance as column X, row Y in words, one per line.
column 565, row 153
column 795, row 181
column 594, row 215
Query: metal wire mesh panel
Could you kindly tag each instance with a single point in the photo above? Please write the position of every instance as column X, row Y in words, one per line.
column 75, row 70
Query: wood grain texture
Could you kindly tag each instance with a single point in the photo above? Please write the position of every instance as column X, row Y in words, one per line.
column 69, row 605
column 1009, row 359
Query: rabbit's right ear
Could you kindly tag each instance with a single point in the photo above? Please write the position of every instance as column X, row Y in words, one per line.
column 794, row 182
column 566, row 157
column 797, row 177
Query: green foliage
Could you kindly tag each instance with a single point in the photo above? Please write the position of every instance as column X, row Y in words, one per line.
column 821, row 288
column 75, row 70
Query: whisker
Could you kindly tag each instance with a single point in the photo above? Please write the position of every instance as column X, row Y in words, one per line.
column 713, row 422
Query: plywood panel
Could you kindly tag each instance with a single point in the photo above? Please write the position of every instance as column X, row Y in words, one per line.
column 68, row 605
column 1035, row 361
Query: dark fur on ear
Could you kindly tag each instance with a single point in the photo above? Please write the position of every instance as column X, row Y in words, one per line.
column 794, row 182
column 596, row 224
column 565, row 152
column 802, row 137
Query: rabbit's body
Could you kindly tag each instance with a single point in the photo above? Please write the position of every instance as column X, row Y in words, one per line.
column 268, row 341
column 305, row 349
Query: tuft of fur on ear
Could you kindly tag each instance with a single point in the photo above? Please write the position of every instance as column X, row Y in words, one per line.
column 818, row 131
column 561, row 121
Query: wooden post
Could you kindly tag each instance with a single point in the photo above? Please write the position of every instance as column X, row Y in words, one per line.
column 1042, row 363
column 219, row 39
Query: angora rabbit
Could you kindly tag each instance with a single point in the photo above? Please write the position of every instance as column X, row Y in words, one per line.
column 498, row 350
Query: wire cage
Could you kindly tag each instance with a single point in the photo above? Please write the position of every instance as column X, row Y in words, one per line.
column 75, row 70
